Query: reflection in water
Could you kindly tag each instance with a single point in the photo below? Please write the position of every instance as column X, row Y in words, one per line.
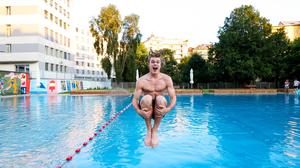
column 296, row 99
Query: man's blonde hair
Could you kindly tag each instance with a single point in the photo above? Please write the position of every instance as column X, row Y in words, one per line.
column 154, row 54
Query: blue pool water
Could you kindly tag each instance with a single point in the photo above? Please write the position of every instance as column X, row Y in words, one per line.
column 201, row 131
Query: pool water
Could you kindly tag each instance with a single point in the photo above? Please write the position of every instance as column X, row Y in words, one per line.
column 201, row 131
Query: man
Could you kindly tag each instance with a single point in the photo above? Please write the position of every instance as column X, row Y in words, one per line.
column 153, row 104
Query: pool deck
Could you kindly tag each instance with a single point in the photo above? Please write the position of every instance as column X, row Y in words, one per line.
column 192, row 91
column 178, row 92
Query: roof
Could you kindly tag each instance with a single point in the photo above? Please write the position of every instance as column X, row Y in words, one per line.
column 288, row 23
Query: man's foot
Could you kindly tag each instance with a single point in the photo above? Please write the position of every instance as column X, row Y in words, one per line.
column 154, row 140
column 147, row 140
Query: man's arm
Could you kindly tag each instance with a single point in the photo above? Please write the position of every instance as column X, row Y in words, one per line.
column 136, row 96
column 172, row 94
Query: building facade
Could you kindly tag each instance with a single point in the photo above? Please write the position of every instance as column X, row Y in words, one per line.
column 87, row 62
column 201, row 49
column 178, row 45
column 291, row 28
column 37, row 37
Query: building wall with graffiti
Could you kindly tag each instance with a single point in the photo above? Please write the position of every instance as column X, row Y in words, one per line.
column 12, row 83
column 60, row 86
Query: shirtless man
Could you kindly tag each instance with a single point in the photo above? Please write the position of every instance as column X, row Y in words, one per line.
column 153, row 104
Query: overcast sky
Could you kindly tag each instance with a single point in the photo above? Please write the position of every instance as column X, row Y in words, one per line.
column 195, row 20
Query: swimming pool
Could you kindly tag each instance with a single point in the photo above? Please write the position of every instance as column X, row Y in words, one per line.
column 201, row 131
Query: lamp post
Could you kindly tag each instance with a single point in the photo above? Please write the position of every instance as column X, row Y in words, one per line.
column 191, row 77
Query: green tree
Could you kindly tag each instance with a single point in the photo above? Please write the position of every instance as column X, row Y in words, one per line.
column 106, row 65
column 293, row 60
column 169, row 64
column 106, row 29
column 184, row 68
column 142, row 59
column 274, row 61
column 239, row 53
column 200, row 69
column 131, row 39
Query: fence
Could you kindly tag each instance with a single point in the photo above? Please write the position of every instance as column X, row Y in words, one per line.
column 211, row 85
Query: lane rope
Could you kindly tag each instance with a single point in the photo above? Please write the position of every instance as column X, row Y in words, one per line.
column 98, row 131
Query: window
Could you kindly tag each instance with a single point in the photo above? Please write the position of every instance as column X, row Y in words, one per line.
column 61, row 68
column 46, row 50
column 56, row 68
column 51, row 51
column 52, row 67
column 77, row 71
column 65, row 69
column 8, row 30
column 51, row 35
column 56, row 37
column 56, row 53
column 22, row 68
column 65, row 55
column 46, row 14
column 77, row 63
column 8, row 10
column 46, row 66
column 51, row 16
column 8, row 48
column 46, row 33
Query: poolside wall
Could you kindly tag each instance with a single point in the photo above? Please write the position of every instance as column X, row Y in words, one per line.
column 14, row 83
column 60, row 86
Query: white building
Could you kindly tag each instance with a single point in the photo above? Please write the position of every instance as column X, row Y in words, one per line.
column 87, row 61
column 178, row 45
column 37, row 36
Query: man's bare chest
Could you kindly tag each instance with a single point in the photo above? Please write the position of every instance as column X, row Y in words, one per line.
column 155, row 86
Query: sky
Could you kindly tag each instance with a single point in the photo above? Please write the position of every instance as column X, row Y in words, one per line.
column 197, row 21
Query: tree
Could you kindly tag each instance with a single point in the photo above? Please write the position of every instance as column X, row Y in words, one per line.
column 200, row 69
column 275, row 54
column 131, row 39
column 141, row 59
column 293, row 60
column 106, row 29
column 169, row 64
column 238, row 54
column 106, row 65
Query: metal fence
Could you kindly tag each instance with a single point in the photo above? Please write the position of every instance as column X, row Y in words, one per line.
column 211, row 85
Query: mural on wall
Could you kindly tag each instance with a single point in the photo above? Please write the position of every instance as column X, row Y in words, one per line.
column 63, row 86
column 38, row 86
column 14, row 83
column 68, row 85
column 52, row 87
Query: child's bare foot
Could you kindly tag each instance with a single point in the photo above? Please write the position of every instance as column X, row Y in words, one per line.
column 154, row 140
column 147, row 140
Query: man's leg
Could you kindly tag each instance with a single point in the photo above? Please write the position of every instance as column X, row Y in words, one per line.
column 160, row 102
column 146, row 104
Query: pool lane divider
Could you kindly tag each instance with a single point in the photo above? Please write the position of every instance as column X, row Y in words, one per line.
column 84, row 144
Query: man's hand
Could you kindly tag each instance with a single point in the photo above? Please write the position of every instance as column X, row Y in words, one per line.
column 145, row 113
column 161, row 110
